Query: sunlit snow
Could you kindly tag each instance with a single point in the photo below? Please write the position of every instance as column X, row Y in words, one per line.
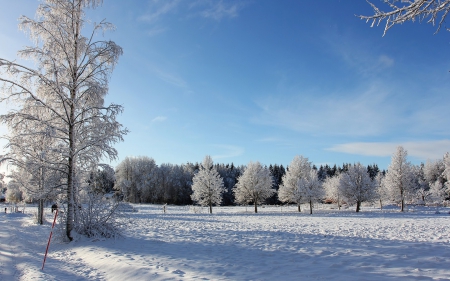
column 278, row 243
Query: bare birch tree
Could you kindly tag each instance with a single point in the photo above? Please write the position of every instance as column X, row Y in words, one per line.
column 70, row 82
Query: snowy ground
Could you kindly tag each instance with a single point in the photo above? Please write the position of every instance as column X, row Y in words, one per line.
column 232, row 244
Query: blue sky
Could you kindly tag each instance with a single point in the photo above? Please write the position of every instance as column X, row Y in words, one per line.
column 266, row 80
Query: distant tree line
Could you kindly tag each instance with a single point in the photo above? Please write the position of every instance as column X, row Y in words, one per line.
column 140, row 180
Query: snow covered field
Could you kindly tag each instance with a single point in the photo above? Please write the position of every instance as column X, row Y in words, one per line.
column 278, row 243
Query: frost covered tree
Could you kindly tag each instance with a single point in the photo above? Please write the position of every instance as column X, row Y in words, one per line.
column 310, row 189
column 333, row 191
column 254, row 185
column 289, row 189
column 433, row 171
column 446, row 172
column 398, row 179
column 381, row 191
column 32, row 152
column 69, row 82
column 207, row 185
column 437, row 192
column 398, row 12
column 139, row 179
column 13, row 193
column 2, row 183
column 357, row 186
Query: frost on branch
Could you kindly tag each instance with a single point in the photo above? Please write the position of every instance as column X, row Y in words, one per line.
column 431, row 11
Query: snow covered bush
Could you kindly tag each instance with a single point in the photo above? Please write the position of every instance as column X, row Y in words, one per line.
column 207, row 185
column 254, row 185
column 96, row 216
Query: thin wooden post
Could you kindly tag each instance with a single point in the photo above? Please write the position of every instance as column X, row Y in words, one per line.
column 49, row 239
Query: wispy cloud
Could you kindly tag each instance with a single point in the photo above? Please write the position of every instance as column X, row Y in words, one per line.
column 278, row 141
column 370, row 108
column 229, row 151
column 269, row 139
column 366, row 114
column 158, row 9
column 359, row 55
column 156, row 31
column 423, row 150
column 159, row 119
column 170, row 78
column 218, row 10
column 385, row 61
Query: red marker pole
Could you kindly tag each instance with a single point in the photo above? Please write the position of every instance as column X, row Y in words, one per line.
column 49, row 239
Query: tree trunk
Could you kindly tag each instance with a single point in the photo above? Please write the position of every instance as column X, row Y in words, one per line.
column 256, row 208
column 41, row 211
column 299, row 208
column 41, row 201
column 358, row 206
column 70, row 199
column 381, row 205
column 402, row 197
column 73, row 94
column 310, row 206
column 210, row 208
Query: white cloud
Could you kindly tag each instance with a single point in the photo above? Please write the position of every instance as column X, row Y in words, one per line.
column 159, row 119
column 423, row 150
column 229, row 151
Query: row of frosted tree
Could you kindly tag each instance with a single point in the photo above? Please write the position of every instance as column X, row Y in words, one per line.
column 140, row 180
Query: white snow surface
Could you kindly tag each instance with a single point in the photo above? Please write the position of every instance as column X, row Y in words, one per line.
column 278, row 243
